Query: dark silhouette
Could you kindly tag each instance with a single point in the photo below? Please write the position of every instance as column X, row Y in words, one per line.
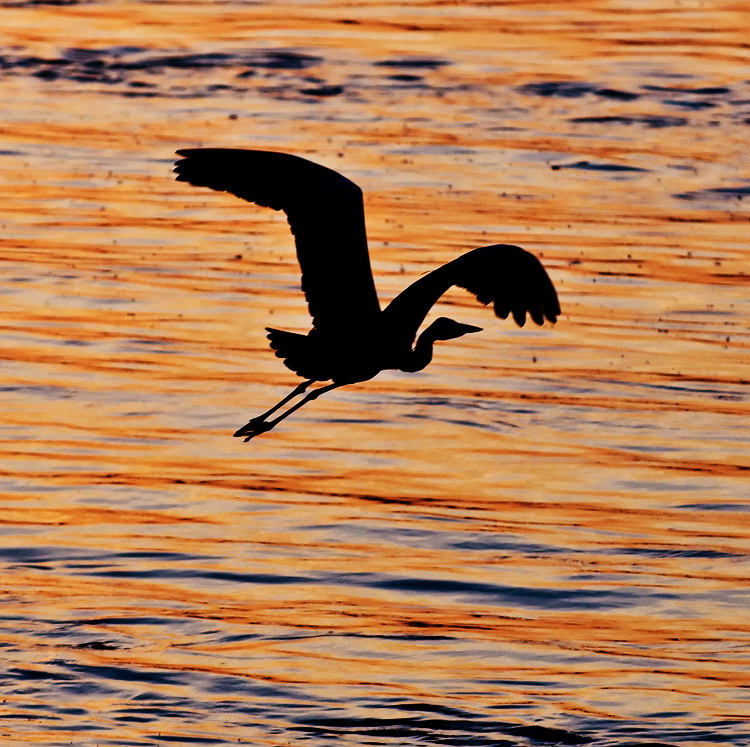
column 352, row 339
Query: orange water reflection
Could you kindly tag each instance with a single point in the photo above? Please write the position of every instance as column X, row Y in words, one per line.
column 546, row 529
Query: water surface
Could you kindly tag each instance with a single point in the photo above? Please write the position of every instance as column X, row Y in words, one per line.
column 541, row 539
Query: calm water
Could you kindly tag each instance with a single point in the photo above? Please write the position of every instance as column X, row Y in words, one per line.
column 542, row 539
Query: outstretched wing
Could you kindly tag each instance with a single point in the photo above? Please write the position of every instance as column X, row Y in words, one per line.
column 505, row 275
column 326, row 215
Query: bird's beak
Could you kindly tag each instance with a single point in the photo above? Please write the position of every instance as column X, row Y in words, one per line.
column 465, row 329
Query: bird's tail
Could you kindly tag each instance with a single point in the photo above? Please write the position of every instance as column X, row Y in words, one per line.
column 293, row 349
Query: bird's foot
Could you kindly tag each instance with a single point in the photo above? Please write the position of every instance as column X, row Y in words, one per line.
column 253, row 428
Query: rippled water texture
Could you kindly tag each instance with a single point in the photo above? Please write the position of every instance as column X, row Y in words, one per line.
column 541, row 539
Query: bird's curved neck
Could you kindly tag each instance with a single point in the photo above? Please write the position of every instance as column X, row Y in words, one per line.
column 421, row 355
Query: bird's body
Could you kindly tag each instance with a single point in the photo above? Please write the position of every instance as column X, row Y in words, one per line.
column 322, row 357
column 352, row 339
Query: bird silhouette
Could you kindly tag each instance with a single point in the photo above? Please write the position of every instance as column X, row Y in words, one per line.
column 352, row 339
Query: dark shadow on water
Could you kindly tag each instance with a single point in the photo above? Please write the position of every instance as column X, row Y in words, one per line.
column 605, row 167
column 459, row 729
column 718, row 193
column 654, row 122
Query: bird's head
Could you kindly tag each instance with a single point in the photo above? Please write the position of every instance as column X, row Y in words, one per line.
column 448, row 329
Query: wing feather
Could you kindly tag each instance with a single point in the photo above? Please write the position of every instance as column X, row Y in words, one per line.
column 510, row 278
column 325, row 212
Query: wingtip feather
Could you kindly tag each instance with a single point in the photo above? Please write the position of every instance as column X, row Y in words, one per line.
column 519, row 316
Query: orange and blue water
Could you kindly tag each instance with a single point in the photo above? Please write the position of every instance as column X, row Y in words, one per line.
column 543, row 538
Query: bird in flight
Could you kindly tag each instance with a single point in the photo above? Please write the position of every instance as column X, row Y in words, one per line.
column 352, row 338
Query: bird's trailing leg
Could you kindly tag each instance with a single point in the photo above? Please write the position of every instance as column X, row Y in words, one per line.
column 259, row 425
column 259, row 420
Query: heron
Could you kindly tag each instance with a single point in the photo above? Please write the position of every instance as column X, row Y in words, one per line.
column 352, row 339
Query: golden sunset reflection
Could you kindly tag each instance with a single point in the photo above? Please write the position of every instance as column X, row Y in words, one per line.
column 540, row 539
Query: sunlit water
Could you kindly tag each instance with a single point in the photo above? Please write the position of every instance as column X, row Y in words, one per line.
column 541, row 539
